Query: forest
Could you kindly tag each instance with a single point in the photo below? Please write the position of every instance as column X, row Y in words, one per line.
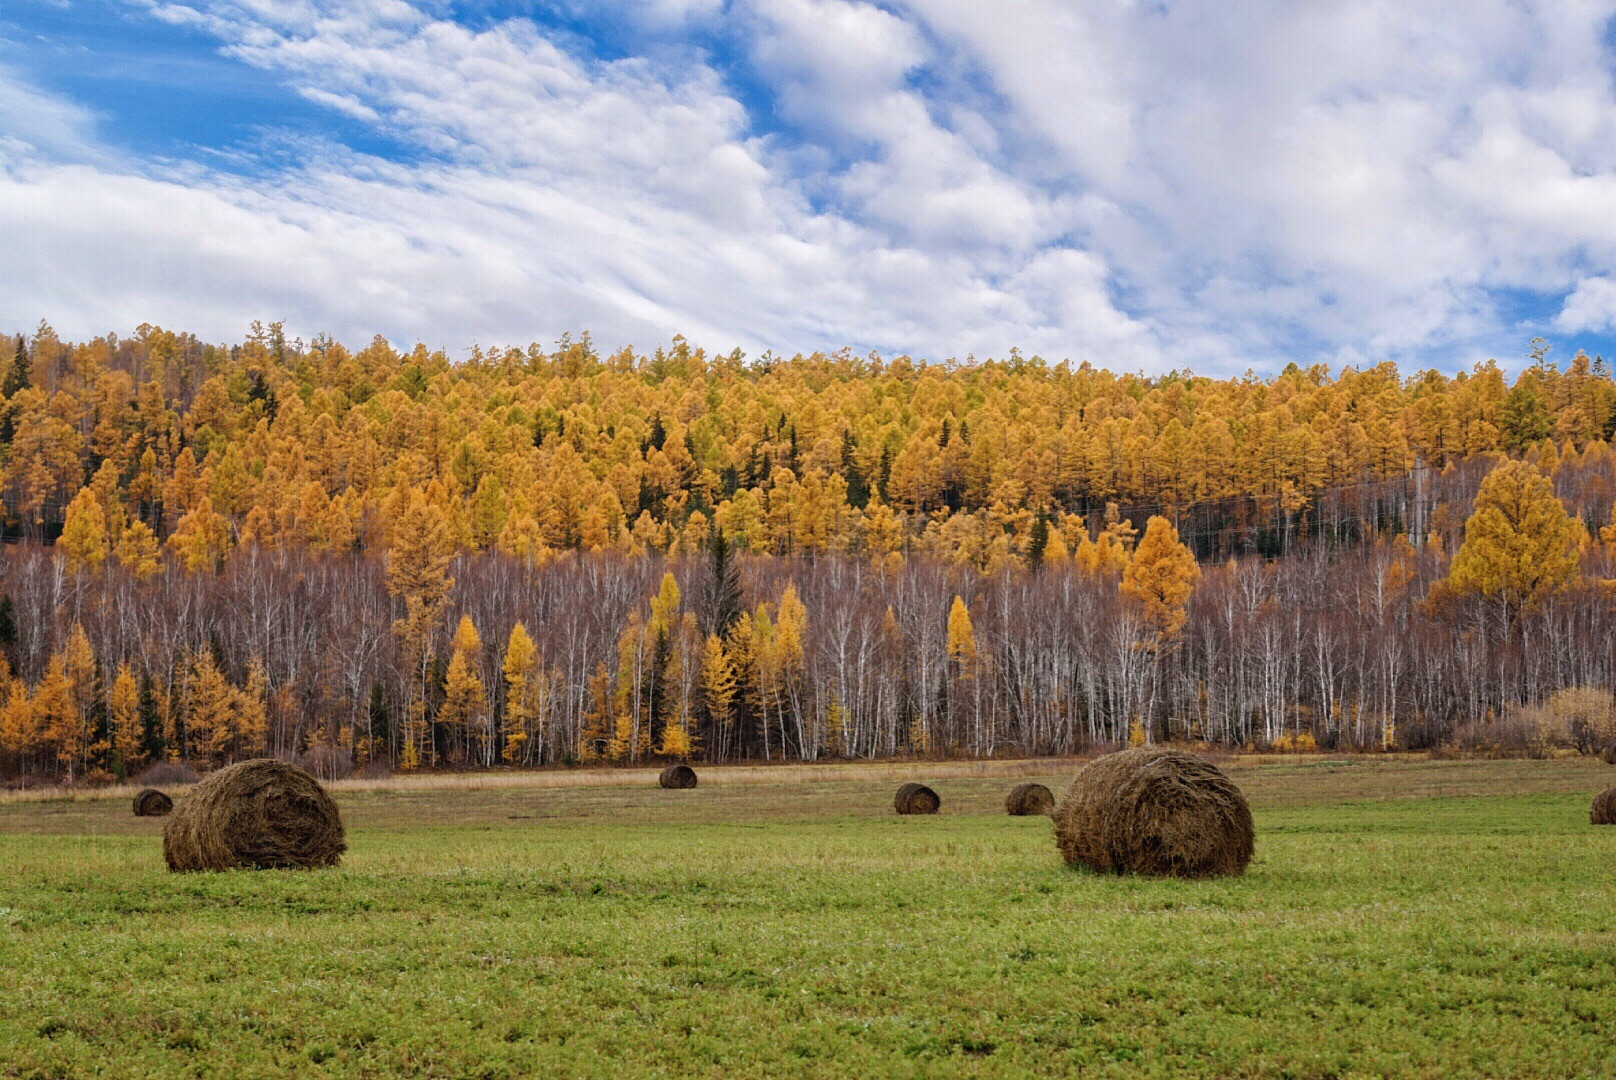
column 382, row 560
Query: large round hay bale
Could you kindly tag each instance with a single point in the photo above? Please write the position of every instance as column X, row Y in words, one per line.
column 1154, row 811
column 1027, row 799
column 261, row 814
column 678, row 776
column 916, row 799
column 150, row 802
column 1603, row 811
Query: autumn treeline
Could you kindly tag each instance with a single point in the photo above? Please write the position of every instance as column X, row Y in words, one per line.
column 534, row 557
column 193, row 450
column 501, row 660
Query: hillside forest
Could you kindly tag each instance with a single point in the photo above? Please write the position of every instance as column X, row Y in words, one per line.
column 377, row 559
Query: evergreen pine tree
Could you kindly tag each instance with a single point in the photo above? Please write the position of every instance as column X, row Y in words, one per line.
column 379, row 717
column 858, row 488
column 1038, row 542
column 153, row 746
column 8, row 623
column 20, row 374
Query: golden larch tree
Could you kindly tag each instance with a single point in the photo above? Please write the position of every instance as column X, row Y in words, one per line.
column 83, row 681
column 961, row 638
column 138, row 550
column 201, row 537
column 419, row 553
column 464, row 696
column 19, row 727
column 1161, row 576
column 1520, row 545
column 519, row 670
column 717, row 683
column 56, row 717
column 252, row 712
column 210, row 715
column 123, row 715
column 84, row 536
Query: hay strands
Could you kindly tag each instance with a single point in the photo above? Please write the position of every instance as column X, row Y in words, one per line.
column 677, row 777
column 916, row 799
column 149, row 802
column 260, row 814
column 1157, row 812
column 1026, row 800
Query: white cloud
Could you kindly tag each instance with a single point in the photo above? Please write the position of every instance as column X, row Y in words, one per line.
column 1259, row 181
column 556, row 195
column 1361, row 176
column 1591, row 306
column 32, row 122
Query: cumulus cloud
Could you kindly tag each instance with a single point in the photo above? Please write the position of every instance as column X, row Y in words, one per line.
column 1591, row 306
column 1195, row 184
column 553, row 192
column 1363, row 177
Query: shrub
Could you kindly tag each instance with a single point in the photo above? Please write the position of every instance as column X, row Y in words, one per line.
column 167, row 774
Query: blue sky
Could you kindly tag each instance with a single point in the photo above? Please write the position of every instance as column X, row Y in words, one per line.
column 1143, row 186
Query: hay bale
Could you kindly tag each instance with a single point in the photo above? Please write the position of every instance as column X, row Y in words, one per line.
column 261, row 814
column 1157, row 812
column 152, row 803
column 1025, row 800
column 916, row 799
column 678, row 776
column 1603, row 811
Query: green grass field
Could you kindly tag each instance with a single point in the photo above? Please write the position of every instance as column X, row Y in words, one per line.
column 1401, row 918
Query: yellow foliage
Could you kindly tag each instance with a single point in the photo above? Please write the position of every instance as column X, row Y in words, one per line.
column 201, row 538
column 717, row 680
column 1161, row 576
column 1299, row 742
column 520, row 693
column 464, row 696
column 123, row 716
column 138, row 551
column 961, row 637
column 84, row 536
column 1520, row 544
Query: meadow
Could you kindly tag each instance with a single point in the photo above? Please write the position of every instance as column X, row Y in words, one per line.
column 1402, row 917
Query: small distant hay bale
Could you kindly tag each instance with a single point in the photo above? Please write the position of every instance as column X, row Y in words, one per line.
column 152, row 803
column 1026, row 800
column 262, row 814
column 1156, row 812
column 916, row 799
column 1603, row 811
column 678, row 776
